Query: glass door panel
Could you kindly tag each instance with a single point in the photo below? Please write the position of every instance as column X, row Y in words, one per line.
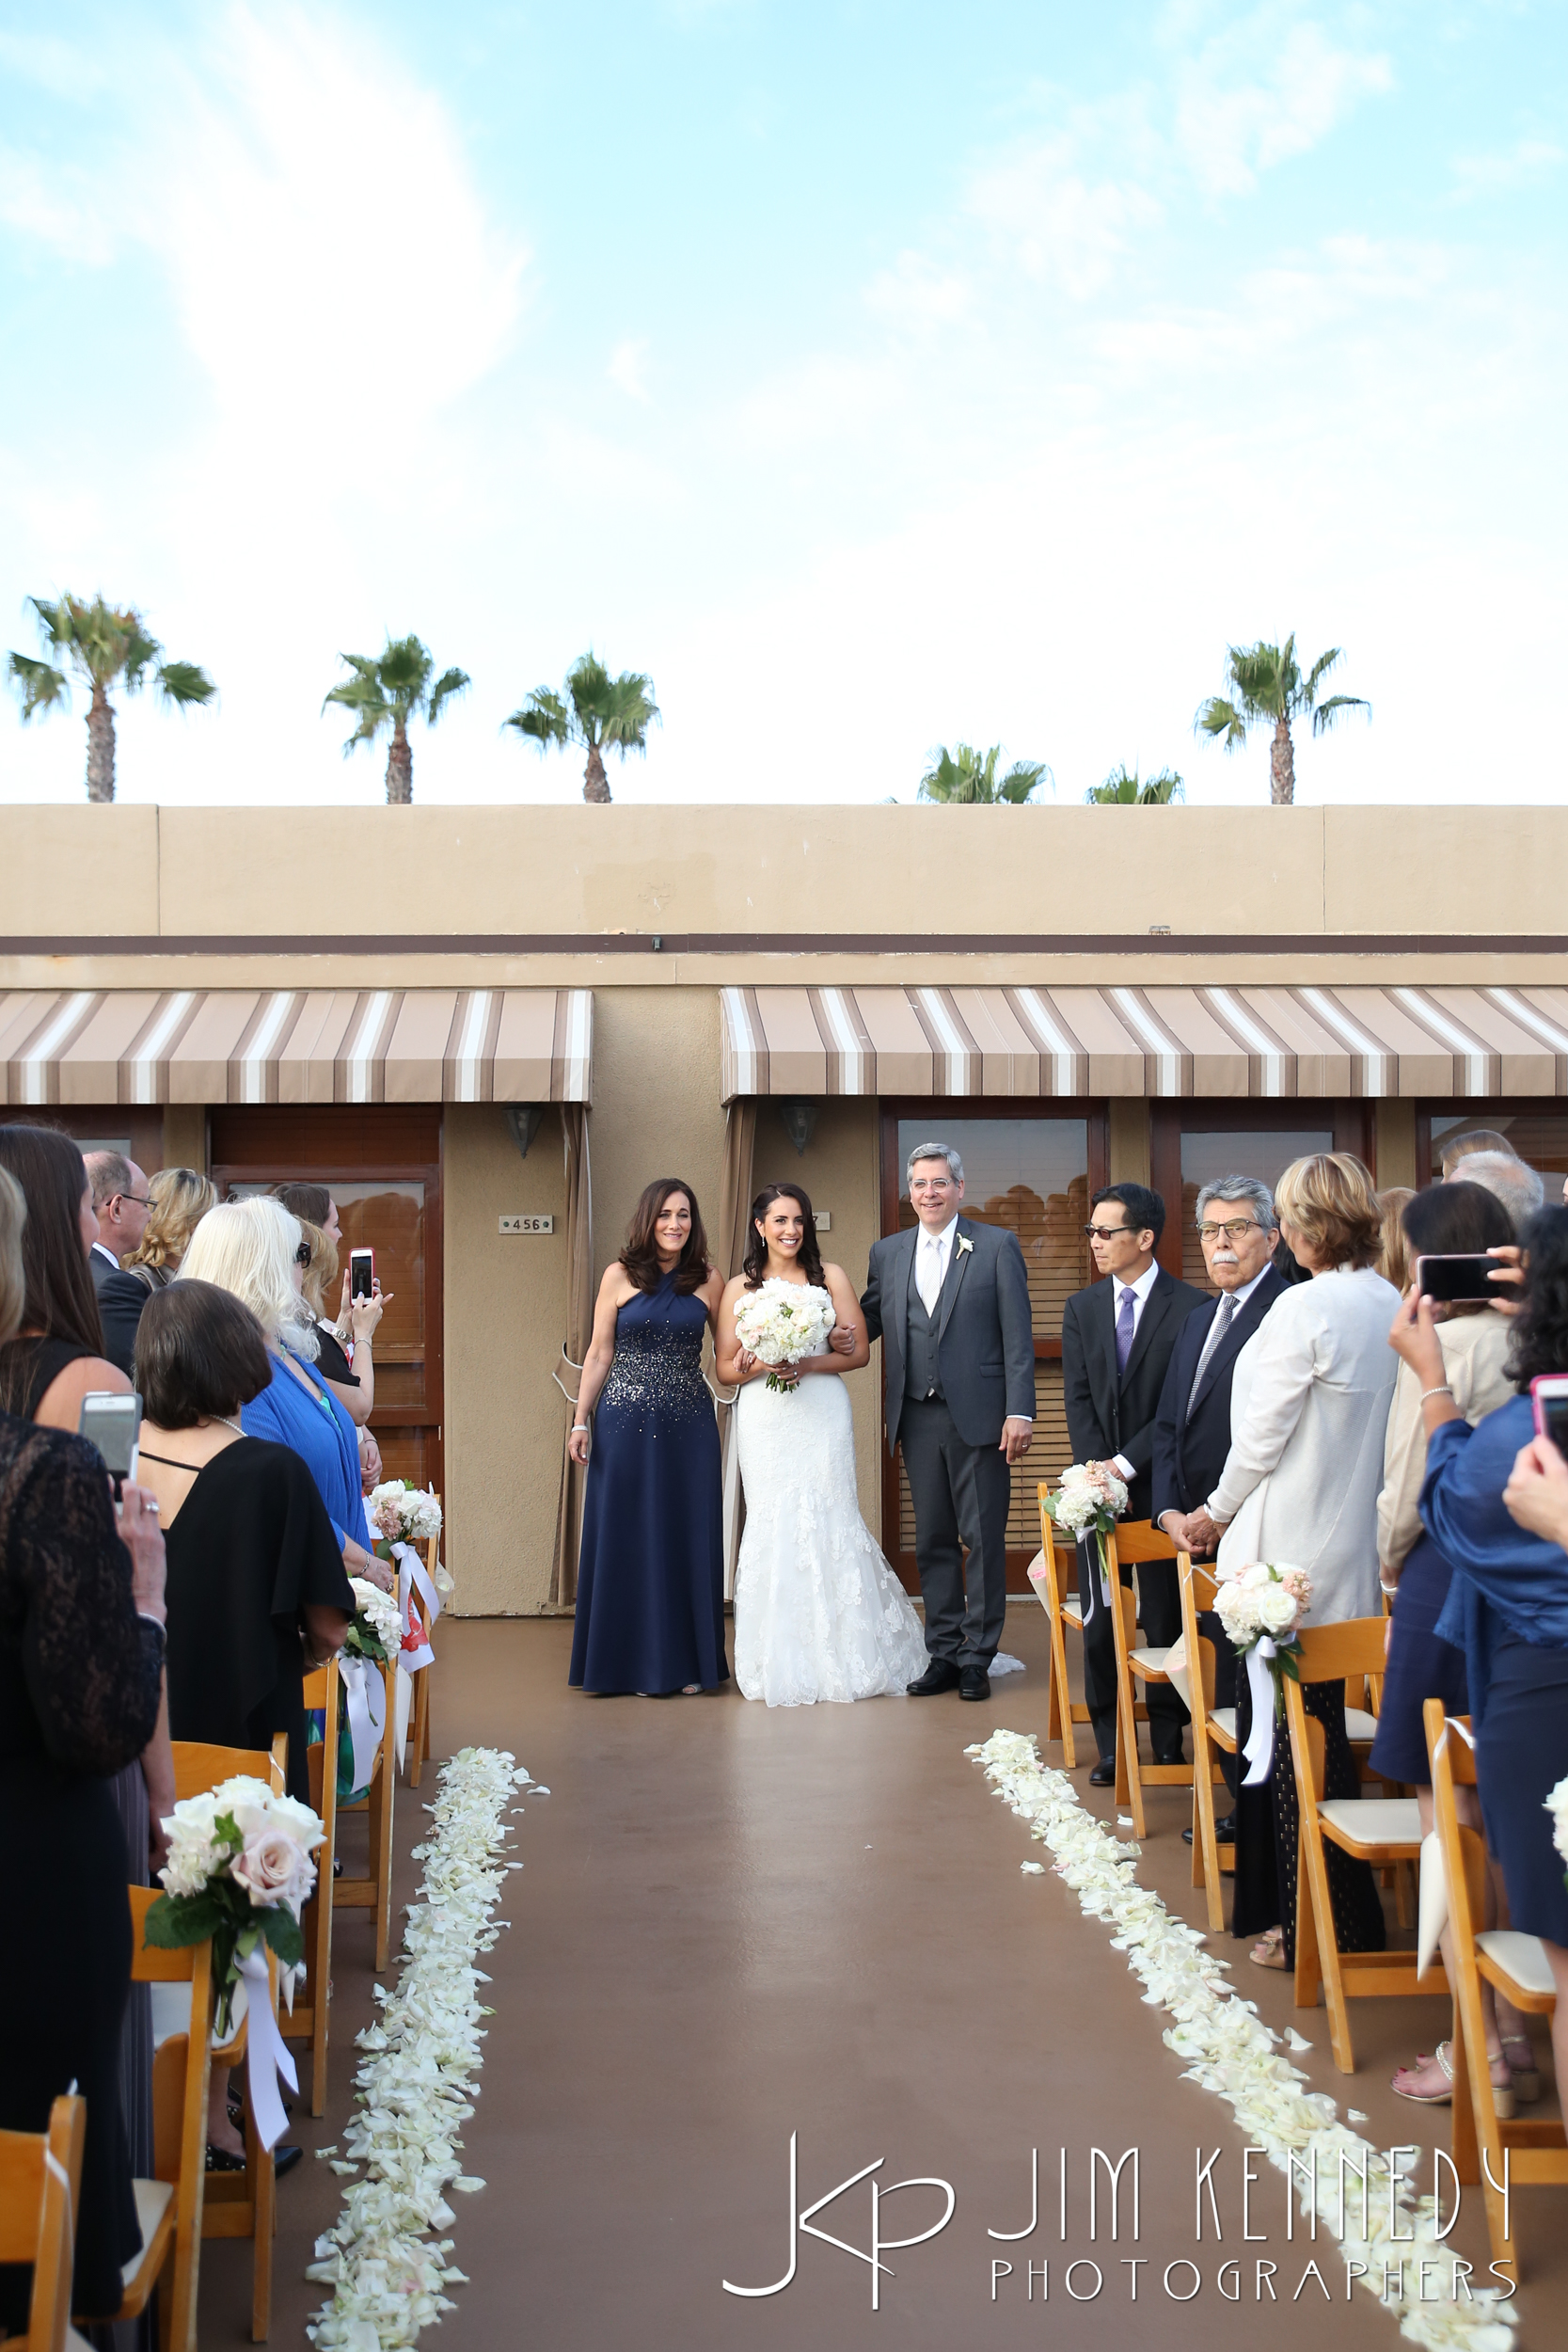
column 1193, row 1144
column 1538, row 1135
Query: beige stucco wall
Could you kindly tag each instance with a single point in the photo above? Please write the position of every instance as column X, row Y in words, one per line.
column 505, row 1301
column 494, row 880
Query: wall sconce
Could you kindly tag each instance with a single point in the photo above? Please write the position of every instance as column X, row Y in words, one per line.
column 523, row 1118
column 797, row 1117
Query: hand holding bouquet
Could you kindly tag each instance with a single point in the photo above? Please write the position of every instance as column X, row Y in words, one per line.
column 780, row 1321
column 239, row 1871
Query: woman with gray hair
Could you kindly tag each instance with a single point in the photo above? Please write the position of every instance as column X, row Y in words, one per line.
column 252, row 1248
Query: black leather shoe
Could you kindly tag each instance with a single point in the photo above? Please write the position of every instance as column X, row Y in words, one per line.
column 1224, row 1831
column 1104, row 1774
column 284, row 2158
column 974, row 1682
column 941, row 1675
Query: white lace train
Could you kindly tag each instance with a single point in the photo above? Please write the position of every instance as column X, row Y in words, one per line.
column 819, row 1614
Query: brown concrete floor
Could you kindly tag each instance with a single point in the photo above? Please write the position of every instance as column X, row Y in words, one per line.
column 736, row 1923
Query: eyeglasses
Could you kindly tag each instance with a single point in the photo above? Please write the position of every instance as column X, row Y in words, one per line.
column 302, row 1255
column 1106, row 1232
column 134, row 1197
column 1233, row 1232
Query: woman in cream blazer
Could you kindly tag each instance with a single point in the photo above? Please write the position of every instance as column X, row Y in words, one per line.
column 1309, row 1413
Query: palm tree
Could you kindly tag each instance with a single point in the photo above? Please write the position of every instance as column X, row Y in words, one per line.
column 103, row 645
column 1267, row 687
column 965, row 777
column 1122, row 786
column 387, row 689
column 594, row 710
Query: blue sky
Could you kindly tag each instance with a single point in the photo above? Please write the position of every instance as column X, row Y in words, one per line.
column 874, row 375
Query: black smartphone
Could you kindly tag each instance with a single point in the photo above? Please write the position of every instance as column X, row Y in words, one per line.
column 1549, row 1396
column 1451, row 1280
column 361, row 1273
column 112, row 1422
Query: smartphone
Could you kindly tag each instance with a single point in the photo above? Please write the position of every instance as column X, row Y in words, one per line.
column 1451, row 1280
column 113, row 1423
column 1548, row 1394
column 361, row 1273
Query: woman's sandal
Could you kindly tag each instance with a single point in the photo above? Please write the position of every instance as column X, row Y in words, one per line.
column 1269, row 1950
column 1437, row 2089
column 1525, row 2072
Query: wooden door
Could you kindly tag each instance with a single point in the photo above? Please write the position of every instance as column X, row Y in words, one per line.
column 1032, row 1171
column 382, row 1164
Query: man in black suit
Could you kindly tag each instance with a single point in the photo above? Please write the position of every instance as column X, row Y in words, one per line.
column 1116, row 1341
column 120, row 1203
column 1240, row 1232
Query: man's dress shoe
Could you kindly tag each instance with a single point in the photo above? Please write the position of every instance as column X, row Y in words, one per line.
column 1104, row 1774
column 941, row 1675
column 973, row 1683
column 1224, row 1831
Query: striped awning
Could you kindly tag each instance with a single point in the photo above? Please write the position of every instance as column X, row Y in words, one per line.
column 298, row 1045
column 1203, row 1040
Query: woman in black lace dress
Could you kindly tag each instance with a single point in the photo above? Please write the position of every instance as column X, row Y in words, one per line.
column 81, row 1667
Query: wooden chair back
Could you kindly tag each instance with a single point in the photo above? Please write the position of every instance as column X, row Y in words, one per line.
column 1133, row 1542
column 310, row 2021
column 200, row 1766
column 1058, row 1561
column 40, row 2179
column 1486, row 2149
column 419, row 1732
column 171, row 2247
column 1210, row 1857
column 374, row 1892
column 1378, row 1831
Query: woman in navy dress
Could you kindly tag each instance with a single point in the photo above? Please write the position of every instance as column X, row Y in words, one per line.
column 1507, row 1603
column 650, row 1609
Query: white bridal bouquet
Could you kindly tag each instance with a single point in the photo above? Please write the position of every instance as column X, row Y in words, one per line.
column 1261, row 1607
column 1090, row 1496
column 780, row 1321
column 239, row 1871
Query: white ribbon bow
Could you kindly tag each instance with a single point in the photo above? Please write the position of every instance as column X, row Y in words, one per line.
column 1260, row 1747
column 267, row 2055
column 365, row 1702
column 412, row 1576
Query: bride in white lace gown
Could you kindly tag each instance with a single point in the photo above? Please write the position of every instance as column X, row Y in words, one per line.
column 819, row 1614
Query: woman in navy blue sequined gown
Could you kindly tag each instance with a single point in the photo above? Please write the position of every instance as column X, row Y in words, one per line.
column 650, row 1608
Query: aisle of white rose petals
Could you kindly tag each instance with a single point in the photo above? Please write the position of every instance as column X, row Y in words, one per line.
column 1232, row 2052
column 415, row 2084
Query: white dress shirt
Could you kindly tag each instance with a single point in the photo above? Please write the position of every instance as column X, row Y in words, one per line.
column 104, row 1251
column 931, row 1254
column 1140, row 1290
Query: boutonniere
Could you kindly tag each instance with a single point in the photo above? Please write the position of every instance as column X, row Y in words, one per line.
column 965, row 1245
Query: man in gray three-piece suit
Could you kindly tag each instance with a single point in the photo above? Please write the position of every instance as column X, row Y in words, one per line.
column 950, row 1304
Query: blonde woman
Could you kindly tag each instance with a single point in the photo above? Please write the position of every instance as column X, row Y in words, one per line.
column 350, row 1376
column 252, row 1248
column 1308, row 1412
column 178, row 1198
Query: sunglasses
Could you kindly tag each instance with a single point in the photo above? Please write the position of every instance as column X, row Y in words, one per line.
column 302, row 1255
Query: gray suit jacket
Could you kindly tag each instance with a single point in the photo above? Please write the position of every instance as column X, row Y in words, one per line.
column 985, row 1339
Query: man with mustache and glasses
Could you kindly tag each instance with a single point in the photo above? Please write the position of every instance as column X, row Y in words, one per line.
column 1240, row 1232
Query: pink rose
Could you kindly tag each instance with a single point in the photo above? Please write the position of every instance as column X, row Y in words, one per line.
column 274, row 1868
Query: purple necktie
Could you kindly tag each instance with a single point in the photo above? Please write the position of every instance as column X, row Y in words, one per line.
column 1124, row 1327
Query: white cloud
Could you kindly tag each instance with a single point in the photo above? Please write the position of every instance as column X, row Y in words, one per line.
column 63, row 67
column 629, row 368
column 1233, row 122
column 61, row 211
column 1528, row 163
